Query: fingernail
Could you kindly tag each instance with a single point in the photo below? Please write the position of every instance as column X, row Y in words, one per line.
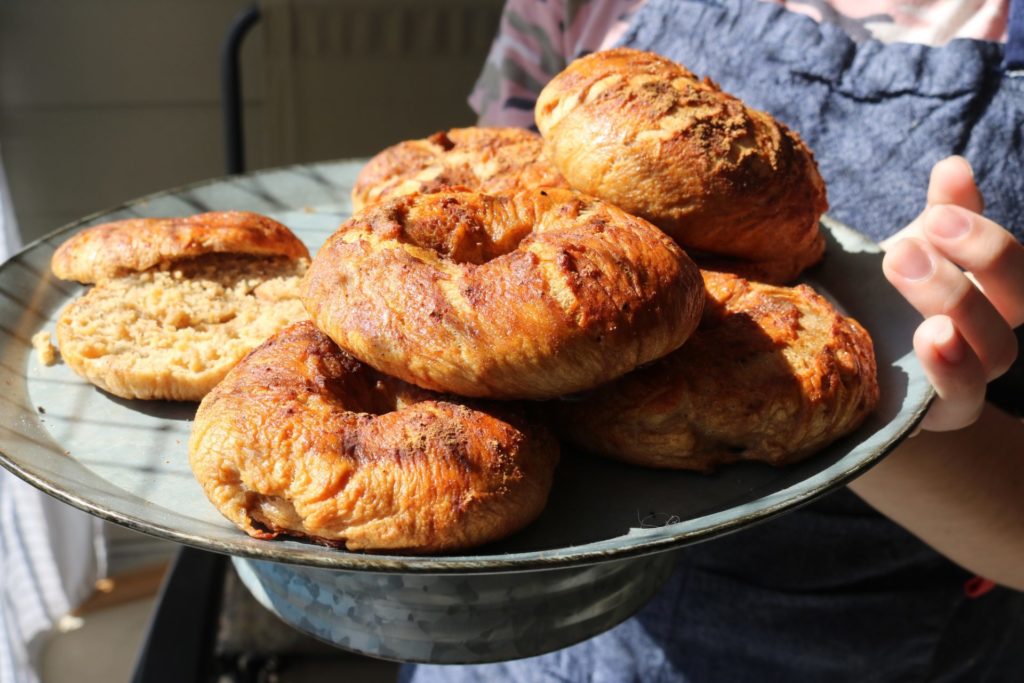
column 966, row 164
column 910, row 260
column 948, row 223
column 948, row 344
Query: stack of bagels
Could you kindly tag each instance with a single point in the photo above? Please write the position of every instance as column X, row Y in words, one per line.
column 495, row 287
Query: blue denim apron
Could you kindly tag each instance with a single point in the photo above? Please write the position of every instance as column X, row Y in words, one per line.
column 831, row 592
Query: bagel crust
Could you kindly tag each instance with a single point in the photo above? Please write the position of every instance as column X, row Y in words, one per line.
column 480, row 159
column 302, row 439
column 529, row 294
column 130, row 246
column 645, row 134
column 771, row 374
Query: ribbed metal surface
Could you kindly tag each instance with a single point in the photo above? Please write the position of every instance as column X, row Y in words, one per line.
column 456, row 618
column 350, row 78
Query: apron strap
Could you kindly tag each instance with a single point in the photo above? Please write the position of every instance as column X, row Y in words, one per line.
column 1014, row 54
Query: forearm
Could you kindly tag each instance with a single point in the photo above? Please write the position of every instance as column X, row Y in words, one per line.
column 961, row 492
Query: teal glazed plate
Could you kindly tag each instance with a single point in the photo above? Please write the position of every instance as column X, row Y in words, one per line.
column 127, row 461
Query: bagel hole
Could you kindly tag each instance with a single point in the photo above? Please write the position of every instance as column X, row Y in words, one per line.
column 365, row 394
column 388, row 395
column 376, row 394
column 461, row 228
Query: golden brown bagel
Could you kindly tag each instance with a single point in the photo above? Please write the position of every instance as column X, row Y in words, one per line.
column 137, row 244
column 643, row 133
column 772, row 374
column 528, row 294
column 481, row 159
column 204, row 297
column 302, row 439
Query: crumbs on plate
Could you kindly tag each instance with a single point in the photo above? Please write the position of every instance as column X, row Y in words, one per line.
column 44, row 347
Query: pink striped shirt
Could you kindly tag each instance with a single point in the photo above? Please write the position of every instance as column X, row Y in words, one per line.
column 537, row 38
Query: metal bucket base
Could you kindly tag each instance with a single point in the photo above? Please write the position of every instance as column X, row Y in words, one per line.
column 456, row 618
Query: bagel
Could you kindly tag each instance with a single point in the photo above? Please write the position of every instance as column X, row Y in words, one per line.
column 771, row 374
column 174, row 329
column 528, row 294
column 645, row 134
column 137, row 244
column 481, row 159
column 301, row 439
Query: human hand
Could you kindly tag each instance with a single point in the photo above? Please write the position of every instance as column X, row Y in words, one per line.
column 966, row 339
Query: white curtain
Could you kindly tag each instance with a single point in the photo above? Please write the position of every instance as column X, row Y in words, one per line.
column 50, row 554
column 8, row 227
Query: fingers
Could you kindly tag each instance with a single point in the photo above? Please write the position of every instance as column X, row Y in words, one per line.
column 952, row 182
column 935, row 286
column 986, row 250
column 954, row 370
column 965, row 275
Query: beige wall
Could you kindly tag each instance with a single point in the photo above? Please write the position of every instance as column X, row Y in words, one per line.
column 105, row 100
column 102, row 101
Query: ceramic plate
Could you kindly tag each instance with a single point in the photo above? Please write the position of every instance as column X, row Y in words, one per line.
column 127, row 461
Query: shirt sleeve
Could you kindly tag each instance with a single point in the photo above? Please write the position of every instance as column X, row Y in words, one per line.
column 536, row 40
column 527, row 52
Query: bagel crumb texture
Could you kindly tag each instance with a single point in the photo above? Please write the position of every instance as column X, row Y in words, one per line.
column 172, row 332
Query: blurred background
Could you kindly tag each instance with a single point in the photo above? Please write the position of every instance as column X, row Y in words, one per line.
column 102, row 101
